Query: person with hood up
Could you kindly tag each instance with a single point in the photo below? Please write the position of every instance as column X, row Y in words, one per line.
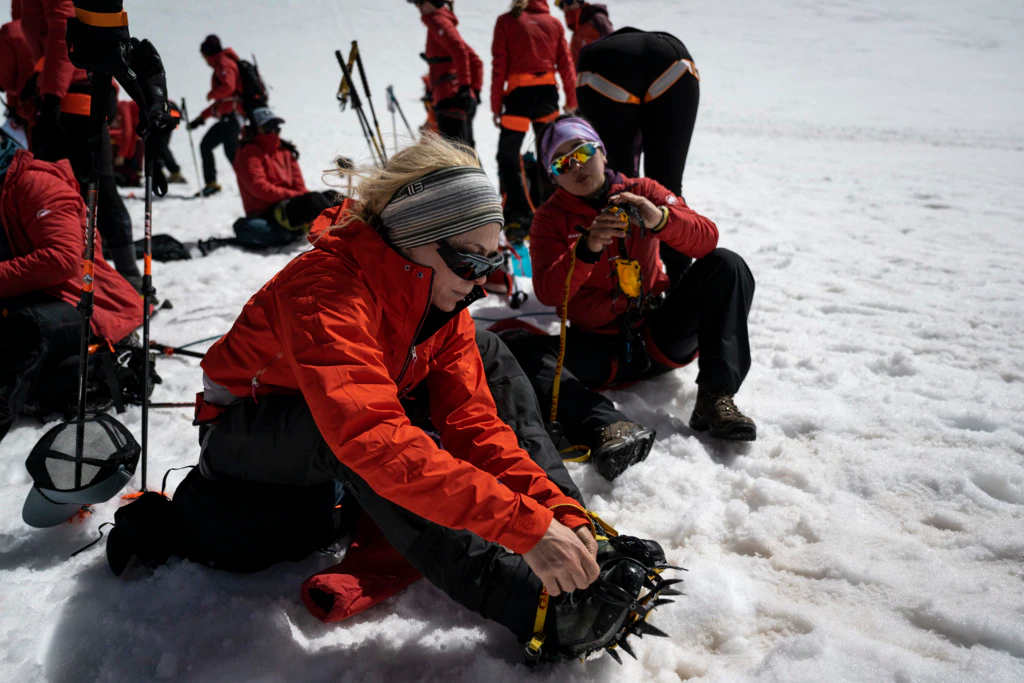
column 278, row 207
column 42, row 230
column 456, row 71
column 226, row 93
column 587, row 21
column 627, row 323
column 308, row 386
column 528, row 48
column 61, row 129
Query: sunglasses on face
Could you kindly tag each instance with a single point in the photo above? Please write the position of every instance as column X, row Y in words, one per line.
column 469, row 266
column 580, row 155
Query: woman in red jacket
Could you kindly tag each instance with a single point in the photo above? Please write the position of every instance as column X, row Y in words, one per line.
column 42, row 221
column 588, row 23
column 627, row 322
column 310, row 380
column 528, row 48
column 456, row 72
column 278, row 207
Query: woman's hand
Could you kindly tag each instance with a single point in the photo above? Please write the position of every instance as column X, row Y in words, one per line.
column 604, row 230
column 497, row 120
column 648, row 211
column 563, row 560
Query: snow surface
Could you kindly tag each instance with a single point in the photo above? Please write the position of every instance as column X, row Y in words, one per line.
column 865, row 157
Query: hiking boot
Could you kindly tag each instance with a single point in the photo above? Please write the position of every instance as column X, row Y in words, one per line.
column 615, row 606
column 718, row 415
column 620, row 445
column 517, row 229
column 209, row 189
column 177, row 179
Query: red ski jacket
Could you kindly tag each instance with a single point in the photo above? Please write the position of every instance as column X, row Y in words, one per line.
column 588, row 23
column 45, row 23
column 338, row 324
column 453, row 63
column 531, row 45
column 43, row 218
column 595, row 301
column 122, row 133
column 16, row 63
column 225, row 85
column 267, row 174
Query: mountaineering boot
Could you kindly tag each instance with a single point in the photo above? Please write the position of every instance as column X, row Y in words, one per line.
column 619, row 446
column 718, row 415
column 517, row 228
column 615, row 606
column 176, row 178
column 209, row 189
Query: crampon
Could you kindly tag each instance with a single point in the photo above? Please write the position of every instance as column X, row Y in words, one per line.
column 616, row 606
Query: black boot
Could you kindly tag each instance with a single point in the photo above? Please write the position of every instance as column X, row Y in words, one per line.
column 619, row 446
column 718, row 415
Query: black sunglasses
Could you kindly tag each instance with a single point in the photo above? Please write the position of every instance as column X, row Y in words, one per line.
column 469, row 266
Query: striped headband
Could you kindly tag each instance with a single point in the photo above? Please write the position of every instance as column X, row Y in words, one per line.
column 441, row 204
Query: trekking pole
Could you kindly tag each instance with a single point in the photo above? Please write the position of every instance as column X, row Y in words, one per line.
column 394, row 106
column 369, row 97
column 357, row 105
column 394, row 122
column 175, row 350
column 147, row 297
column 191, row 142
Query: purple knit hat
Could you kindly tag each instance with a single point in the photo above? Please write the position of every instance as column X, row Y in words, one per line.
column 562, row 131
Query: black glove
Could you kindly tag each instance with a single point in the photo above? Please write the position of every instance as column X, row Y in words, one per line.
column 149, row 70
column 195, row 123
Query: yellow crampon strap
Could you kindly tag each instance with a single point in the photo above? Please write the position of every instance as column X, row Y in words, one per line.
column 563, row 315
column 582, row 451
column 533, row 647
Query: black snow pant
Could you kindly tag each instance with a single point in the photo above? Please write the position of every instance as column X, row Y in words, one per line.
column 267, row 230
column 535, row 105
column 71, row 141
column 277, row 441
column 224, row 132
column 37, row 333
column 661, row 128
column 455, row 120
column 706, row 313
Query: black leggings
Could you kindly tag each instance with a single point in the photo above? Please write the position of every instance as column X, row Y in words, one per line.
column 277, row 441
column 530, row 103
column 706, row 312
column 224, row 132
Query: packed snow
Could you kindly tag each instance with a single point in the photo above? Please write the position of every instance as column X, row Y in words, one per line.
column 867, row 160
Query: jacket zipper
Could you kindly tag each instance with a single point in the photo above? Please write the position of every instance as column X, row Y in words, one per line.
column 256, row 377
column 410, row 358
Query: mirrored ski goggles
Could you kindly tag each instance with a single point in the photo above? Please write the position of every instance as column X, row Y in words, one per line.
column 580, row 155
column 469, row 266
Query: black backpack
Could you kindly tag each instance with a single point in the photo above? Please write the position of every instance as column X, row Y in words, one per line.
column 254, row 90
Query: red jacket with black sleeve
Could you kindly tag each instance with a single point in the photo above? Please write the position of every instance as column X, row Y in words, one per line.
column 43, row 219
column 338, row 325
column 267, row 174
column 225, row 85
column 595, row 301
column 532, row 43
column 453, row 63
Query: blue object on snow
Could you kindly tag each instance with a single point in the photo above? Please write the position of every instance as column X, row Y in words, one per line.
column 521, row 260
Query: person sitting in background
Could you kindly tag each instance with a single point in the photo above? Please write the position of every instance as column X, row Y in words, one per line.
column 129, row 156
column 42, row 225
column 627, row 323
column 278, row 207
column 588, row 23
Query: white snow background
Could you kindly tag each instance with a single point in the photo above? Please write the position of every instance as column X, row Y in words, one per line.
column 867, row 159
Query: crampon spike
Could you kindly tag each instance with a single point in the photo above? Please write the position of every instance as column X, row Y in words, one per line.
column 642, row 628
column 615, row 655
column 627, row 648
column 670, row 591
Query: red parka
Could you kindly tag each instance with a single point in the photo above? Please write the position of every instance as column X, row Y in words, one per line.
column 225, row 85
column 45, row 23
column 338, row 324
column 43, row 218
column 588, row 23
column 595, row 300
column 123, row 132
column 16, row 63
column 267, row 174
column 533, row 43
column 453, row 63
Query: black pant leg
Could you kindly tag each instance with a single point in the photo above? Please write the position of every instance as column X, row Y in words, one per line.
column 453, row 121
column 517, row 406
column 224, row 132
column 581, row 410
column 232, row 130
column 709, row 307
column 112, row 219
column 164, row 156
column 510, row 173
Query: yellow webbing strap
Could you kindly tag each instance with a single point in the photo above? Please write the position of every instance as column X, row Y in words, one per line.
column 538, row 623
column 345, row 85
column 582, row 450
column 562, row 315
